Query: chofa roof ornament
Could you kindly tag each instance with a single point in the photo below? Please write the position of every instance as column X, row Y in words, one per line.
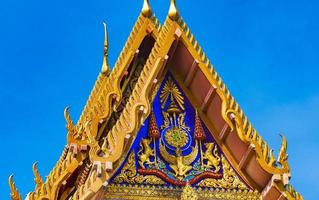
column 105, row 66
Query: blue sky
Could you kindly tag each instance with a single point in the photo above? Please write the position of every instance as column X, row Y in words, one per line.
column 51, row 53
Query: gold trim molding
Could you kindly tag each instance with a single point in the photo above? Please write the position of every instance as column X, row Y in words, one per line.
column 134, row 192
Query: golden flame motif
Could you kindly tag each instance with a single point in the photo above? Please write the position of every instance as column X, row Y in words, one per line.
column 129, row 174
column 170, row 90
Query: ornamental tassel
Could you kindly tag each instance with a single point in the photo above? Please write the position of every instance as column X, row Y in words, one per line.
column 153, row 133
column 199, row 134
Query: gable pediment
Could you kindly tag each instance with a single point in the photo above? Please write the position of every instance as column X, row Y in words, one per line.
column 175, row 149
column 163, row 125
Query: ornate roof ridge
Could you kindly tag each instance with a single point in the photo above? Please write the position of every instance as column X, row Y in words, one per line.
column 102, row 93
column 232, row 113
column 131, row 118
column 138, row 108
column 116, row 72
column 171, row 192
column 249, row 134
column 106, row 86
column 139, row 100
column 234, row 116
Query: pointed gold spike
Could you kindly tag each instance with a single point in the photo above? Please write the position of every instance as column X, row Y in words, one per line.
column 146, row 10
column 173, row 12
column 30, row 196
column 69, row 124
column 14, row 191
column 272, row 159
column 104, row 145
column 282, row 156
column 105, row 67
column 37, row 178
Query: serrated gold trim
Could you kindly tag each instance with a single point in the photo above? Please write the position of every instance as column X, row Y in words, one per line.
column 135, row 192
column 98, row 107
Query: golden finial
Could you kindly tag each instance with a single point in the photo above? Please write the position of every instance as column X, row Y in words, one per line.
column 173, row 12
column 146, row 10
column 105, row 66
column 14, row 191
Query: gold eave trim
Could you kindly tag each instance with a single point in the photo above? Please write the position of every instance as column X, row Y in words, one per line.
column 105, row 88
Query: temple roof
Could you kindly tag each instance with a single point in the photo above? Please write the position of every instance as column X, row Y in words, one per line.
column 113, row 115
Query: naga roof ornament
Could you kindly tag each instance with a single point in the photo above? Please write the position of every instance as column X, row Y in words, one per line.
column 162, row 125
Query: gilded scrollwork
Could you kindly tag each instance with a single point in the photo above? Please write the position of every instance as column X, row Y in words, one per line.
column 265, row 156
column 189, row 193
column 230, row 179
column 134, row 192
column 129, row 174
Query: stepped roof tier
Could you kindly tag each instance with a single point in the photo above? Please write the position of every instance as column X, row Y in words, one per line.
column 162, row 125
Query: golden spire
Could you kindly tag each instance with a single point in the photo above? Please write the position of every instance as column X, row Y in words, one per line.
column 146, row 10
column 173, row 12
column 105, row 66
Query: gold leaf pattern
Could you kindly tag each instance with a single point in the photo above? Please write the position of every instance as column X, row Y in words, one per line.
column 169, row 193
column 171, row 90
column 230, row 179
column 129, row 174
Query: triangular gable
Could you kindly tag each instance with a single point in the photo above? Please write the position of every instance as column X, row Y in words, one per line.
column 256, row 164
column 153, row 159
column 175, row 50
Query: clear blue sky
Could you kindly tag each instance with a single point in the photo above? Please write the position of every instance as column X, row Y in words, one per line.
column 267, row 52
